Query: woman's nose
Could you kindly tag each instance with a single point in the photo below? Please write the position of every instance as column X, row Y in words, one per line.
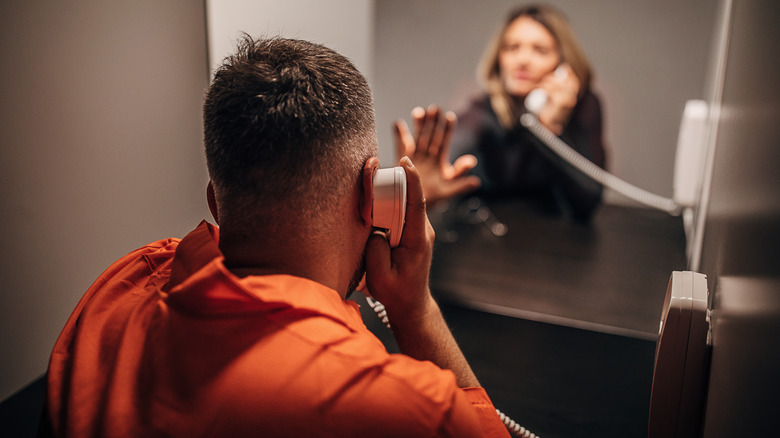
column 522, row 58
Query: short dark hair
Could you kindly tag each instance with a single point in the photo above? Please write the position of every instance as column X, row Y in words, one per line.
column 286, row 123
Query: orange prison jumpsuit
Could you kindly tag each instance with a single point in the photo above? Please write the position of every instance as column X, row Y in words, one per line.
column 167, row 342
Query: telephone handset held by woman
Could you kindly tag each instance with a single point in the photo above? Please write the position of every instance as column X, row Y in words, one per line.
column 537, row 98
column 390, row 202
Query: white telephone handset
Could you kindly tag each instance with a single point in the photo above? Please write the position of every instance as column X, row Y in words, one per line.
column 537, row 98
column 390, row 202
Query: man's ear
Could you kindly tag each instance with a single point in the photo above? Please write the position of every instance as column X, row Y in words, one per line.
column 366, row 204
column 211, row 198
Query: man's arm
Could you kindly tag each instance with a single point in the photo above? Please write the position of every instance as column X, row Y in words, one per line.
column 425, row 336
column 399, row 279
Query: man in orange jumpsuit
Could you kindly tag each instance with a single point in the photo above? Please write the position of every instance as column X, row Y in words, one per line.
column 244, row 329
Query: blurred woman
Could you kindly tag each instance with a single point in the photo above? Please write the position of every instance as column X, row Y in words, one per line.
column 535, row 48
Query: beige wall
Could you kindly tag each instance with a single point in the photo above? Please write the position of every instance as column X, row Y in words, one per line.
column 343, row 25
column 101, row 153
column 742, row 231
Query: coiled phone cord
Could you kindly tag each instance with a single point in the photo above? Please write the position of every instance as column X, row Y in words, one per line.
column 379, row 309
column 596, row 173
column 510, row 424
column 514, row 428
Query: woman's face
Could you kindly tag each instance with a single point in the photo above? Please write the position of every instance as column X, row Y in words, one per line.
column 528, row 53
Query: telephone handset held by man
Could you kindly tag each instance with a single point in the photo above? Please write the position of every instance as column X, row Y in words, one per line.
column 390, row 202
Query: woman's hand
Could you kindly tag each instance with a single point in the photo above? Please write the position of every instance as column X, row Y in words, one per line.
column 562, row 87
column 429, row 149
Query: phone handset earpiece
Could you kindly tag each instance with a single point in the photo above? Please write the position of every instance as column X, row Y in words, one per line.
column 535, row 100
column 390, row 202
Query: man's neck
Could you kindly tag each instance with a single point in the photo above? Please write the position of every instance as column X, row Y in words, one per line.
column 327, row 266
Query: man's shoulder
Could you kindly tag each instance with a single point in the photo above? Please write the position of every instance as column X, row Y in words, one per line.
column 148, row 258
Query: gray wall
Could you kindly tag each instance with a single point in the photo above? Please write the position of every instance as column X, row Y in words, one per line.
column 348, row 29
column 101, row 153
column 742, row 231
column 649, row 58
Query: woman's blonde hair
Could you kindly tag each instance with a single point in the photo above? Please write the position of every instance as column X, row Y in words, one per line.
column 489, row 73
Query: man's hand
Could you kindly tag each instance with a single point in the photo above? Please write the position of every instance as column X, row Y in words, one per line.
column 399, row 277
column 429, row 149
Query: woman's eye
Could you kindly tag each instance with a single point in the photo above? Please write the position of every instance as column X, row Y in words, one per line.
column 542, row 50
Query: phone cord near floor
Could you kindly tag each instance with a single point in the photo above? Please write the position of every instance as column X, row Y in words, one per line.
column 512, row 426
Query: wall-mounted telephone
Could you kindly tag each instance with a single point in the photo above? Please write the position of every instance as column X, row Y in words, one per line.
column 681, row 359
column 390, row 202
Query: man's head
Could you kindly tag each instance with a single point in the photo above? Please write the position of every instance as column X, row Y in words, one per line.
column 288, row 126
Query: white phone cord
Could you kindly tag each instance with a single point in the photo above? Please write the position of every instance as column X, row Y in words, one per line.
column 379, row 308
column 509, row 423
column 594, row 172
column 515, row 428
